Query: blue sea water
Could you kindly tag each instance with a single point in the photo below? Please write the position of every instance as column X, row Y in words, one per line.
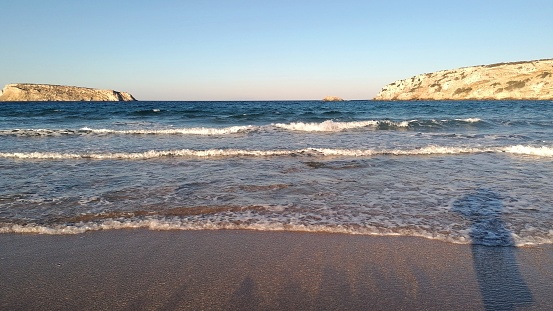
column 459, row 171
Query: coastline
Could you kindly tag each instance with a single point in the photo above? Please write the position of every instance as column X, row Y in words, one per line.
column 251, row 270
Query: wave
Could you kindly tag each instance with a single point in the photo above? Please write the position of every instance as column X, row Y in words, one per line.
column 147, row 112
column 180, row 131
column 317, row 152
column 469, row 120
column 446, row 123
column 333, row 126
column 542, row 151
column 324, row 126
column 193, row 223
column 87, row 131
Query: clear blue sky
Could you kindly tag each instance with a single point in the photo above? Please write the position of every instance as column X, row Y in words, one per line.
column 247, row 50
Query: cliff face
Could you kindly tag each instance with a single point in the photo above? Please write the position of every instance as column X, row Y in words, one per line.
column 520, row 80
column 46, row 92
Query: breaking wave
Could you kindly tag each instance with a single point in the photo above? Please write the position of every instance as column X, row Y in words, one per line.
column 333, row 126
column 320, row 152
column 325, row 126
column 182, row 131
column 529, row 150
column 88, row 131
column 194, row 223
column 469, row 120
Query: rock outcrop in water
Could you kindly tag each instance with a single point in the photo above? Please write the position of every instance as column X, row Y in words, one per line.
column 532, row 80
column 332, row 99
column 47, row 92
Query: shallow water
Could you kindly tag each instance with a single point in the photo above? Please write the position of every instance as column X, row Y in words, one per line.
column 462, row 172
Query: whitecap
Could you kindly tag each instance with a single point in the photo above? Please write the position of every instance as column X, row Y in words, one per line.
column 317, row 152
column 542, row 151
column 178, row 131
column 334, row 126
column 469, row 120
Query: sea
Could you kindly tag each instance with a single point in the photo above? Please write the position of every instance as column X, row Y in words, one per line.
column 468, row 172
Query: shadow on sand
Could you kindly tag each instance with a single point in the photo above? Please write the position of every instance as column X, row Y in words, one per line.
column 494, row 255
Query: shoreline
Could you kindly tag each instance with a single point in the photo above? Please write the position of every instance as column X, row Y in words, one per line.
column 253, row 270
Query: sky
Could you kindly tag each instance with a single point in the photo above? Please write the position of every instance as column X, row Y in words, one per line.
column 261, row 50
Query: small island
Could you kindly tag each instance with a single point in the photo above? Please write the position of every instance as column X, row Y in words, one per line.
column 49, row 92
column 332, row 99
column 526, row 80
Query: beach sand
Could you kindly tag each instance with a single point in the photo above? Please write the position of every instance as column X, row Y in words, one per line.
column 251, row 270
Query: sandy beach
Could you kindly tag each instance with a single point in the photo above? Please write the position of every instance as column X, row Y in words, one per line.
column 250, row 270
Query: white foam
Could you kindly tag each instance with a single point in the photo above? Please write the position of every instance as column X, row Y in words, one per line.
column 147, row 154
column 185, row 224
column 178, row 131
column 325, row 126
column 542, row 151
column 321, row 152
column 469, row 120
column 333, row 126
column 36, row 132
column 428, row 150
column 172, row 131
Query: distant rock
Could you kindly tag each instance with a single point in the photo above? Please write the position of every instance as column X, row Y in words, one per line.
column 47, row 92
column 332, row 99
column 532, row 80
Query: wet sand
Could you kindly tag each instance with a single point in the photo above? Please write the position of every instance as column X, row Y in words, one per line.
column 249, row 270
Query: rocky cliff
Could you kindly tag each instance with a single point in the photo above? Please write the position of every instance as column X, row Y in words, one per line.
column 47, row 92
column 520, row 80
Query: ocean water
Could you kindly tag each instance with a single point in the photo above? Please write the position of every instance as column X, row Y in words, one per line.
column 476, row 172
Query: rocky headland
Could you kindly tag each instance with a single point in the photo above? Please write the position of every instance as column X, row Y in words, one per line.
column 528, row 80
column 47, row 92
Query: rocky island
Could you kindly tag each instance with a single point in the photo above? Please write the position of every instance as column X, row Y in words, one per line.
column 528, row 80
column 47, row 92
column 332, row 99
